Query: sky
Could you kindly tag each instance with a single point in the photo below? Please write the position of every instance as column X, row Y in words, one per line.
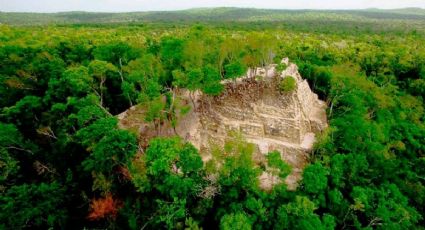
column 155, row 5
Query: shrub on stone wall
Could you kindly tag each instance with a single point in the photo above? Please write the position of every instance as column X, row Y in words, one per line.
column 287, row 84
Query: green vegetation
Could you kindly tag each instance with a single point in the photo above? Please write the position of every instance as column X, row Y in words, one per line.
column 65, row 164
column 288, row 84
column 345, row 21
column 281, row 67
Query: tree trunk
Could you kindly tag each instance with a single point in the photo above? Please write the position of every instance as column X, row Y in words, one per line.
column 102, row 82
column 105, row 110
column 159, row 126
column 175, row 131
column 192, row 99
column 122, row 80
column 120, row 71
column 129, row 100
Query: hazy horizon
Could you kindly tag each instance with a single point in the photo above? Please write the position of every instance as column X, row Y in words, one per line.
column 52, row 6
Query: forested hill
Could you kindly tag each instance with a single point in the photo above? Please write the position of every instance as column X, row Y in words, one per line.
column 416, row 15
column 67, row 163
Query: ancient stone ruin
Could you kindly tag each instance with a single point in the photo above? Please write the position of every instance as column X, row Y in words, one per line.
column 255, row 107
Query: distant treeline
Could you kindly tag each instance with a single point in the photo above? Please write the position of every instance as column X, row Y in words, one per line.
column 370, row 20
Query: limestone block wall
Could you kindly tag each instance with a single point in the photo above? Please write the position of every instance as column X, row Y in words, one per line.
column 271, row 120
column 286, row 122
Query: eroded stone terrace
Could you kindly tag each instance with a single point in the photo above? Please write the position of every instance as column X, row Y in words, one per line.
column 253, row 106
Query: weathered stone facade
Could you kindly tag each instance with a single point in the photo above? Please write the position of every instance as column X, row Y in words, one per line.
column 286, row 122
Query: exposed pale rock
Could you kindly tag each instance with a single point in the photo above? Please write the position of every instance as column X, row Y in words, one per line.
column 267, row 118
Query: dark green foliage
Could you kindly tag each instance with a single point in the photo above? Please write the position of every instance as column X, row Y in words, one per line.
column 117, row 53
column 277, row 165
column 391, row 210
column 12, row 145
column 417, row 87
column 90, row 135
column 171, row 54
column 299, row 214
column 174, row 167
column 235, row 221
column 33, row 206
column 315, row 179
column 234, row 70
column 171, row 171
column 319, row 78
column 24, row 111
column 211, row 82
column 75, row 81
column 88, row 114
column 115, row 148
column 61, row 147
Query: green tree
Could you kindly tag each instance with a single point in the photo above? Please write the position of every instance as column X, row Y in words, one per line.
column 89, row 136
column 172, row 171
column 211, row 82
column 315, row 178
column 100, row 71
column 235, row 221
column 277, row 166
column 33, row 206
column 12, row 148
column 117, row 53
column 288, row 84
column 234, row 70
column 155, row 113
column 75, row 81
column 115, row 149
column 174, row 167
column 26, row 113
column 392, row 209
